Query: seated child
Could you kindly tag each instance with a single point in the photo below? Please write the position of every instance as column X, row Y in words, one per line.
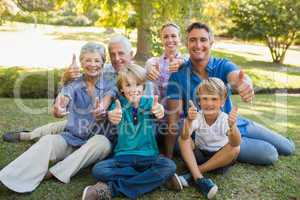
column 136, row 167
column 217, row 138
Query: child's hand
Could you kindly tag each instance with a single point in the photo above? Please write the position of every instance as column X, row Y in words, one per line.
column 60, row 106
column 232, row 117
column 157, row 109
column 99, row 112
column 174, row 64
column 115, row 115
column 192, row 112
column 153, row 70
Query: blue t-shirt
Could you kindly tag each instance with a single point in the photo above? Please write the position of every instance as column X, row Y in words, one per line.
column 81, row 122
column 136, row 139
column 183, row 83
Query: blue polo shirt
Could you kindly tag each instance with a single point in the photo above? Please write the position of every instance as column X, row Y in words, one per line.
column 136, row 139
column 183, row 83
column 81, row 121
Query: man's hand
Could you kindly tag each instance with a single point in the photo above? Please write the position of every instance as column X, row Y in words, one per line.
column 153, row 70
column 72, row 72
column 244, row 87
column 157, row 108
column 115, row 115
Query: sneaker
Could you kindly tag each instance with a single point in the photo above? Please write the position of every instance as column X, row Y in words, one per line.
column 184, row 179
column 13, row 136
column 99, row 191
column 207, row 187
column 174, row 183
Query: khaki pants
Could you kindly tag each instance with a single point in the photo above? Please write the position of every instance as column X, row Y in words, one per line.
column 26, row 172
column 48, row 129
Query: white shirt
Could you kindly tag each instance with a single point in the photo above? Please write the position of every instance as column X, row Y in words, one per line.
column 213, row 137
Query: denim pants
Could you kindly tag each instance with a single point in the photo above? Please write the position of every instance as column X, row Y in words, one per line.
column 261, row 146
column 134, row 175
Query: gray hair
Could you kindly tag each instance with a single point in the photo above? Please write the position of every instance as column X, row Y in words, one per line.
column 92, row 47
column 122, row 40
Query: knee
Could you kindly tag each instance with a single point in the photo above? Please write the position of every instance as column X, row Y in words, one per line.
column 100, row 172
column 168, row 167
column 234, row 151
column 47, row 139
column 288, row 148
column 99, row 143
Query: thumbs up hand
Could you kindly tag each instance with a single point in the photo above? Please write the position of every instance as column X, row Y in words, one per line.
column 99, row 111
column 233, row 117
column 192, row 112
column 60, row 106
column 157, row 108
column 153, row 70
column 174, row 64
column 244, row 87
column 72, row 72
column 115, row 115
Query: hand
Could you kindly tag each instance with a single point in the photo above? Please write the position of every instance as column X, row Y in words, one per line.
column 72, row 72
column 115, row 115
column 153, row 70
column 60, row 106
column 244, row 87
column 99, row 111
column 233, row 117
column 174, row 64
column 192, row 112
column 157, row 108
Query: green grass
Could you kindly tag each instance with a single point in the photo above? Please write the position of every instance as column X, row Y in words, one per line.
column 243, row 181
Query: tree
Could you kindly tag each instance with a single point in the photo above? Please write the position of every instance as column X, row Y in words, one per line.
column 277, row 22
column 8, row 7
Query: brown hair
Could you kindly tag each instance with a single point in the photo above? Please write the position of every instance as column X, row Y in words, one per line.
column 213, row 85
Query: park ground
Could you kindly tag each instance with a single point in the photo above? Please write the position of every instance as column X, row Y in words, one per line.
column 279, row 112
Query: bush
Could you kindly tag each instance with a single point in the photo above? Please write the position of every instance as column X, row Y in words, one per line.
column 29, row 84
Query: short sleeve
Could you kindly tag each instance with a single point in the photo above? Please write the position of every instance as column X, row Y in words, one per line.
column 196, row 123
column 68, row 90
column 173, row 88
column 228, row 68
column 224, row 124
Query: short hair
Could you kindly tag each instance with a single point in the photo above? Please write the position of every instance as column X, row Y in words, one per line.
column 170, row 24
column 92, row 47
column 198, row 25
column 122, row 40
column 213, row 85
column 138, row 72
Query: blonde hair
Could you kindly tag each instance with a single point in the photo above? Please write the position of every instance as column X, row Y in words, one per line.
column 170, row 24
column 138, row 72
column 213, row 85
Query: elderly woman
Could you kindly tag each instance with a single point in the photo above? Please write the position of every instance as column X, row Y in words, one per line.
column 77, row 146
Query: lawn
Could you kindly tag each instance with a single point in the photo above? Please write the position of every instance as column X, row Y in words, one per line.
column 243, row 181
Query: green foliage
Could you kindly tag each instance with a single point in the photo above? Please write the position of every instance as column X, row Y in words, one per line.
column 28, row 84
column 275, row 21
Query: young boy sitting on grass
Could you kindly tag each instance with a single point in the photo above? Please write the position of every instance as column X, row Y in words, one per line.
column 136, row 167
column 216, row 140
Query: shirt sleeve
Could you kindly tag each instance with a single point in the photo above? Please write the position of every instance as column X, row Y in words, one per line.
column 228, row 68
column 68, row 90
column 224, row 124
column 173, row 88
column 196, row 123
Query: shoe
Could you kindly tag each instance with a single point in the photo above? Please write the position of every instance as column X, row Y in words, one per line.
column 207, row 187
column 13, row 136
column 174, row 183
column 184, row 179
column 99, row 191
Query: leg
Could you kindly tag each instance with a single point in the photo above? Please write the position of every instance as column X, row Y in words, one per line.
column 221, row 159
column 283, row 145
column 26, row 172
column 48, row 129
column 257, row 152
column 97, row 147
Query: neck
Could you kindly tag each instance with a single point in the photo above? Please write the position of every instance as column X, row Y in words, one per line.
column 210, row 119
column 91, row 80
column 199, row 67
column 170, row 53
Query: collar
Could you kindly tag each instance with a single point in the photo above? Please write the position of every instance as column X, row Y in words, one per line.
column 164, row 57
column 209, row 67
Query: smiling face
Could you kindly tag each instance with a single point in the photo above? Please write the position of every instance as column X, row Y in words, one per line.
column 119, row 56
column 199, row 45
column 170, row 38
column 92, row 63
column 132, row 89
column 210, row 103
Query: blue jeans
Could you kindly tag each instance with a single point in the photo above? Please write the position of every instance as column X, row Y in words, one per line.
column 134, row 175
column 261, row 146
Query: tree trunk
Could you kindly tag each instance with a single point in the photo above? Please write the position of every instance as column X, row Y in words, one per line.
column 144, row 38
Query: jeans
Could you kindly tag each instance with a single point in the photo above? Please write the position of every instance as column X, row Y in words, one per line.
column 261, row 146
column 134, row 175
